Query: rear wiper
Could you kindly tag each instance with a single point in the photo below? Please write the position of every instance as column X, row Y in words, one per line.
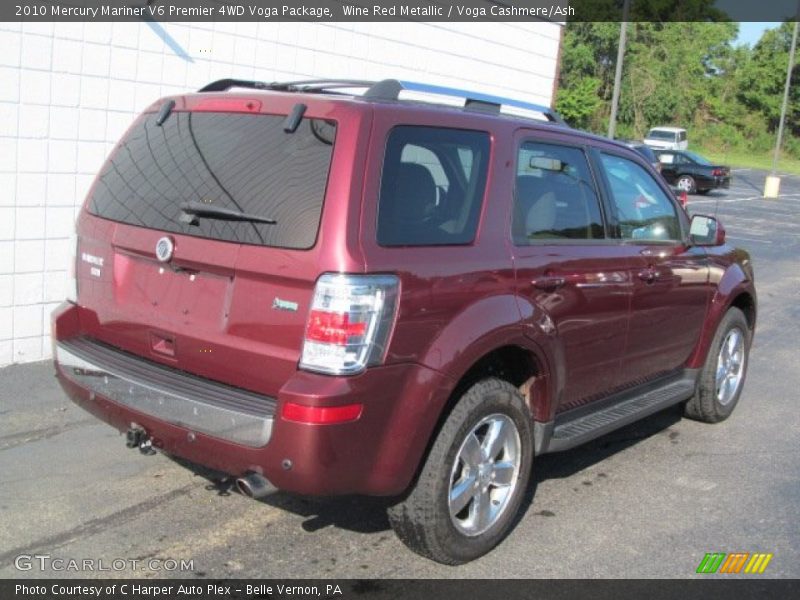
column 192, row 210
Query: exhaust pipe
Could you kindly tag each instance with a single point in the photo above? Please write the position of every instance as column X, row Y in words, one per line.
column 255, row 486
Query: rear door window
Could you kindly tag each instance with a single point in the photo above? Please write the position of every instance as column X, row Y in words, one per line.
column 555, row 197
column 244, row 163
column 432, row 186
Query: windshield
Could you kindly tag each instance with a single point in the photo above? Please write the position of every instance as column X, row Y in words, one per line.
column 239, row 162
column 699, row 159
column 660, row 134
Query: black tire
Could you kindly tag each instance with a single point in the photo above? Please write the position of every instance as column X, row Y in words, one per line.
column 690, row 186
column 422, row 519
column 706, row 405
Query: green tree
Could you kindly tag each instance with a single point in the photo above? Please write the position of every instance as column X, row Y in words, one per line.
column 762, row 78
column 578, row 103
column 688, row 74
column 671, row 69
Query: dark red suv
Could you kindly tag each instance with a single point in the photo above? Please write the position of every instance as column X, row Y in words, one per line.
column 330, row 292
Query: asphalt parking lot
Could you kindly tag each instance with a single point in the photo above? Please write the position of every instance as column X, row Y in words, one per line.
column 646, row 501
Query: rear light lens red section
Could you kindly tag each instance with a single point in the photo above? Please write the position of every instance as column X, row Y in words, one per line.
column 243, row 105
column 333, row 328
column 718, row 172
column 321, row 415
column 349, row 323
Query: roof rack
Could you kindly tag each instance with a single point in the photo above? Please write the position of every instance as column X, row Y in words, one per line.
column 390, row 89
column 308, row 85
column 225, row 84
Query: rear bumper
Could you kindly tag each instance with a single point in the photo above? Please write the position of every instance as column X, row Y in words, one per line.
column 169, row 395
column 236, row 432
column 713, row 183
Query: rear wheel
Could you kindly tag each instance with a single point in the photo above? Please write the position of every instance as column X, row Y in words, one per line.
column 722, row 377
column 686, row 184
column 474, row 479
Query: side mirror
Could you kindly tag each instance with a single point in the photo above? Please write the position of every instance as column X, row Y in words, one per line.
column 706, row 231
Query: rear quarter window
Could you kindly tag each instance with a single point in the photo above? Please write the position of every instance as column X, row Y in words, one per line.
column 241, row 162
column 432, row 186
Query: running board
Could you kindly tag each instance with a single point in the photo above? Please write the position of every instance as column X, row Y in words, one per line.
column 581, row 425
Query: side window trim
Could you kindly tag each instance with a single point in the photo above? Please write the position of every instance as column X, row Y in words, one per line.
column 596, row 187
column 683, row 220
column 612, row 219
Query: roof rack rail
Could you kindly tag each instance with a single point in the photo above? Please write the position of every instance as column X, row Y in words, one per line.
column 225, row 84
column 390, row 89
column 308, row 85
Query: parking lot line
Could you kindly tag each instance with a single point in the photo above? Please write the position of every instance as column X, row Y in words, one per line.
column 739, row 238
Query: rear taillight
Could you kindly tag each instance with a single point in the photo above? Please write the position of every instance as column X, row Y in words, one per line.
column 349, row 322
column 718, row 172
column 72, row 273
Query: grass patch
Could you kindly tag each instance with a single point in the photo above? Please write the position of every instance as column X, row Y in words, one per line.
column 749, row 160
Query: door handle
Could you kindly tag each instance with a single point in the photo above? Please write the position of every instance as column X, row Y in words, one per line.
column 549, row 283
column 647, row 275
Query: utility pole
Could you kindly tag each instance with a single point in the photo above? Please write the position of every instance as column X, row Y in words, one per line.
column 623, row 32
column 785, row 99
column 773, row 182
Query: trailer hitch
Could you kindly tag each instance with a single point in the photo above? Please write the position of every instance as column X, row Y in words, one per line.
column 136, row 437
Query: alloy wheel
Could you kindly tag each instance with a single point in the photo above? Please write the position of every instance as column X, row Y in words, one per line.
column 484, row 475
column 730, row 366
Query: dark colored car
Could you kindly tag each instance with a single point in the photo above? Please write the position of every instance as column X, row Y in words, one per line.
column 691, row 173
column 326, row 293
column 645, row 151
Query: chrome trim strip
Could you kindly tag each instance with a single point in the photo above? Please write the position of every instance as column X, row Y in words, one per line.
column 168, row 405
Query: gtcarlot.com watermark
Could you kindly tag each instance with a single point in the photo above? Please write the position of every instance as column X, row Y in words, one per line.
column 46, row 562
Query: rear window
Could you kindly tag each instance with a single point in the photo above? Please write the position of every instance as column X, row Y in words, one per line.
column 244, row 163
column 432, row 185
column 699, row 159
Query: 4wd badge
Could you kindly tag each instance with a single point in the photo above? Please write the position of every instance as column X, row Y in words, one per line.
column 278, row 304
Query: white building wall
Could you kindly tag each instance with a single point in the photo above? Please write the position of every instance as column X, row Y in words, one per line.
column 69, row 90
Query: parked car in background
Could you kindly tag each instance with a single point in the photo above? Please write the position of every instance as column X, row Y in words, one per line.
column 667, row 138
column 645, row 151
column 692, row 173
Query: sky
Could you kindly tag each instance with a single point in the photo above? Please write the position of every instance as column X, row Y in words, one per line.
column 750, row 33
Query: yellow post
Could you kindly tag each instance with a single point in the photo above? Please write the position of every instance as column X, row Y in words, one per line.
column 771, row 186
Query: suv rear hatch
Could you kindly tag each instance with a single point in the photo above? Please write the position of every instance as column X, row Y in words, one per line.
column 232, row 197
